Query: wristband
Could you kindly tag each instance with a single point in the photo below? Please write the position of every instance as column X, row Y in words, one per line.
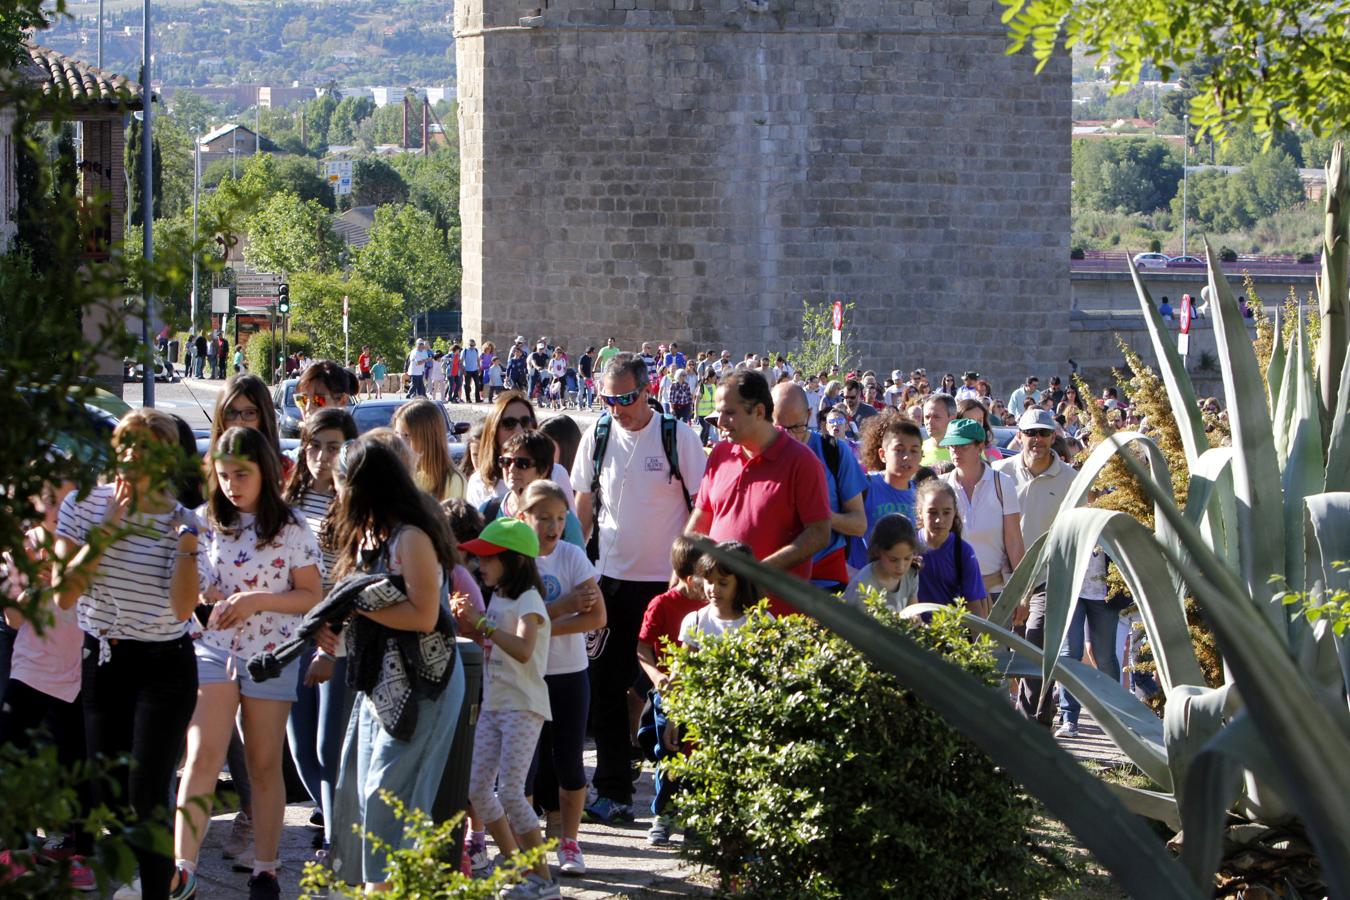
column 325, row 654
column 185, row 528
column 484, row 626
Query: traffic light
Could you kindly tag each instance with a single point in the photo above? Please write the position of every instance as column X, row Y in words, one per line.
column 284, row 298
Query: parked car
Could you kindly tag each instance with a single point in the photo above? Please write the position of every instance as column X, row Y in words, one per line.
column 1150, row 260
column 1185, row 261
column 288, row 412
column 370, row 414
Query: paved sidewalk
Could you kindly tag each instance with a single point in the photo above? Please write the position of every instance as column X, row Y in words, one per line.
column 618, row 859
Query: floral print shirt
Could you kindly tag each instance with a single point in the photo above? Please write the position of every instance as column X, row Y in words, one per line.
column 232, row 562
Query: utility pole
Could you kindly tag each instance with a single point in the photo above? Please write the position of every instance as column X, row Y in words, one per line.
column 147, row 206
column 1185, row 162
column 100, row 34
column 196, row 188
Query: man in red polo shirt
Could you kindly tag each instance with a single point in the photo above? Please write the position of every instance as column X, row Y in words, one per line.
column 761, row 486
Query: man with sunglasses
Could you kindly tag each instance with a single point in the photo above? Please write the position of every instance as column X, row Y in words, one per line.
column 637, row 508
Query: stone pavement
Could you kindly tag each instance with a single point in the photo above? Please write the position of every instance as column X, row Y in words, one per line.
column 618, row 859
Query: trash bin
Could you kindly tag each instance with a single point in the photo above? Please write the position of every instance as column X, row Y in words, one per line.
column 173, row 350
column 453, row 795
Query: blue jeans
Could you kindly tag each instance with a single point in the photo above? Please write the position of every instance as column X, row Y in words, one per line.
column 1092, row 617
column 315, row 730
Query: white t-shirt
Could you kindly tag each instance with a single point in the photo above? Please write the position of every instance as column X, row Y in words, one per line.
column 561, row 571
column 636, row 488
column 476, row 493
column 905, row 593
column 417, row 362
column 232, row 562
column 513, row 685
column 128, row 597
column 982, row 515
column 702, row 624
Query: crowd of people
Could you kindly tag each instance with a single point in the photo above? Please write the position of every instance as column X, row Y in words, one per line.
column 564, row 551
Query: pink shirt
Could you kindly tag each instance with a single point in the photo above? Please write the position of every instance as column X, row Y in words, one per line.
column 49, row 662
column 765, row 501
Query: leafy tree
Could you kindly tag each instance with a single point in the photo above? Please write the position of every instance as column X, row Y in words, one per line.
column 350, row 112
column 815, row 352
column 290, row 235
column 265, row 174
column 1244, row 145
column 375, row 183
column 1276, row 63
column 377, row 316
column 409, row 255
column 433, row 185
column 135, row 168
column 1218, row 202
column 1124, row 174
column 192, row 112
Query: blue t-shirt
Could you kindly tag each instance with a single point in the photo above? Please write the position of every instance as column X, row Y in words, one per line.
column 938, row 582
column 881, row 500
column 850, row 483
column 571, row 530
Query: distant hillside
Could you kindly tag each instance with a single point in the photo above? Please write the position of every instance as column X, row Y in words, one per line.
column 218, row 42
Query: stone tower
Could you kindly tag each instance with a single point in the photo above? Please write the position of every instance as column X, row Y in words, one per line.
column 696, row 169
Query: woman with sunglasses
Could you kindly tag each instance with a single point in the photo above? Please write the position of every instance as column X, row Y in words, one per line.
column 526, row 456
column 325, row 385
column 510, row 414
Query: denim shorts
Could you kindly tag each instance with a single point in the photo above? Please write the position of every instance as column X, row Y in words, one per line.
column 217, row 666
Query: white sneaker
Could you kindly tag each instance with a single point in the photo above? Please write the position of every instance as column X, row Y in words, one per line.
column 1067, row 730
column 239, row 838
column 570, row 860
column 533, row 888
column 130, row 891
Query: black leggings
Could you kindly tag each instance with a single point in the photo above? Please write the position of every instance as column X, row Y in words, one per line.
column 57, row 722
column 558, row 760
column 139, row 704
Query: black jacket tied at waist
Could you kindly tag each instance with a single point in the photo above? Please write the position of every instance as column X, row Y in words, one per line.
column 394, row 668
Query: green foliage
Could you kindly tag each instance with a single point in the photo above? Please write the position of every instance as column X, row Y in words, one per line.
column 1274, row 64
column 428, row 868
column 1125, row 174
column 258, row 352
column 375, row 182
column 1332, row 605
column 813, row 774
column 814, row 352
column 290, row 235
column 408, row 255
column 135, row 168
column 377, row 316
column 1217, row 201
column 264, row 175
column 433, row 186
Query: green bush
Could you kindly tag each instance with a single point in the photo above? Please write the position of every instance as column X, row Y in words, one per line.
column 1155, row 246
column 259, row 347
column 813, row 774
column 1228, row 254
column 1077, row 253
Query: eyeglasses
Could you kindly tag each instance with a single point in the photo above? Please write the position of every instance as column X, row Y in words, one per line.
column 241, row 415
column 319, row 400
column 513, row 422
column 520, row 462
column 627, row 399
column 799, row 428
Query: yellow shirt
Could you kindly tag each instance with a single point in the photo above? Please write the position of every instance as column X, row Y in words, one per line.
column 932, row 453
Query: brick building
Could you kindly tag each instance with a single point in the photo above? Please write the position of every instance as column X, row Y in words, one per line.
column 696, row 169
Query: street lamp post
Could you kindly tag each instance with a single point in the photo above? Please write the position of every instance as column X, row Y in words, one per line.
column 196, row 188
column 147, row 208
column 1185, row 163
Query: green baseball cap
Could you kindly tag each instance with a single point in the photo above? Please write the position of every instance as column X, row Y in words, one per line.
column 963, row 431
column 504, row 534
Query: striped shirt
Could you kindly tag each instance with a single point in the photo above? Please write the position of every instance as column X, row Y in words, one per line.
column 313, row 508
column 128, row 597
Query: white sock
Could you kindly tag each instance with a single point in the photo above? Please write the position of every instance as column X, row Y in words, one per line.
column 269, row 866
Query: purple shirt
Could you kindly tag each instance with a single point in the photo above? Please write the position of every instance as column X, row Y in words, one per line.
column 938, row 582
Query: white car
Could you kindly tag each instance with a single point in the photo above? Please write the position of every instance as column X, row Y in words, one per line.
column 1150, row 260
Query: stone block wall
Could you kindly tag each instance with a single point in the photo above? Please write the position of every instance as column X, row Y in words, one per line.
column 696, row 169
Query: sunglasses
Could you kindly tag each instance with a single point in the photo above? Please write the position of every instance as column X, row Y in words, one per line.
column 627, row 399
column 520, row 462
column 319, row 400
column 512, row 422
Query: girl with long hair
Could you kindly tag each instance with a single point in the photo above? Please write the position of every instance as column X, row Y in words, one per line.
column 128, row 563
column 246, row 402
column 381, row 523
column 527, row 458
column 510, row 414
column 260, row 567
column 421, row 425
column 319, row 716
column 950, row 570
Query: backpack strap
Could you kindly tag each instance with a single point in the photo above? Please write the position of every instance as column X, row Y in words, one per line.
column 602, row 427
column 670, row 445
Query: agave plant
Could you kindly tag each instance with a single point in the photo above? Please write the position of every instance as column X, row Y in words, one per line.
column 1270, row 513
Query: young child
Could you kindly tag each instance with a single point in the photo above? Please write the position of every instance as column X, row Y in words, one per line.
column 515, row 699
column 950, row 568
column 893, row 568
column 494, row 376
column 892, row 448
column 661, row 628
column 728, row 597
column 261, row 566
column 575, row 607
column 377, row 375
